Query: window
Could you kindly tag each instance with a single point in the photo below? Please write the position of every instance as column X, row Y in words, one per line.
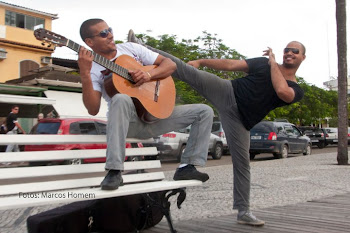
column 26, row 67
column 102, row 128
column 83, row 128
column 23, row 21
column 289, row 130
column 296, row 131
column 46, row 128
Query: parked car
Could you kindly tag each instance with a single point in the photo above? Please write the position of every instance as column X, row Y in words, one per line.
column 174, row 143
column 278, row 138
column 332, row 135
column 316, row 134
column 219, row 131
column 72, row 126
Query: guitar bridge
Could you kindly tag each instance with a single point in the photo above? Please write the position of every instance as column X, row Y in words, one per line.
column 156, row 91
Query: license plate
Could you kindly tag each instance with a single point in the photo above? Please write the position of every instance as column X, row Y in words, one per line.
column 314, row 140
column 255, row 137
column 335, row 140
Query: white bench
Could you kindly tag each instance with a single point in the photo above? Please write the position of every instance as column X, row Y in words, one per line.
column 28, row 186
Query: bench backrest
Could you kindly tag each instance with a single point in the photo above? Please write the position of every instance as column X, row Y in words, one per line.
column 26, row 179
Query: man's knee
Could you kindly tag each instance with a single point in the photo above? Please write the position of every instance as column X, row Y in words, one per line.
column 120, row 100
column 207, row 110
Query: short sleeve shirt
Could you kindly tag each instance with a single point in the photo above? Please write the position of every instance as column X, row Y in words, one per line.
column 10, row 121
column 255, row 95
column 140, row 53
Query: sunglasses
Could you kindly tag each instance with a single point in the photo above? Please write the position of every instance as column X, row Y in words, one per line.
column 294, row 50
column 104, row 33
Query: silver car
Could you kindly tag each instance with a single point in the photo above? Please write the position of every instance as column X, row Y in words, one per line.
column 174, row 143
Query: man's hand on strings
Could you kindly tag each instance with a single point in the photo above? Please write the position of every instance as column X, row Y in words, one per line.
column 140, row 77
column 85, row 60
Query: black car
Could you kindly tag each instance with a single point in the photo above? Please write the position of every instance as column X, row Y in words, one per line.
column 316, row 134
column 278, row 138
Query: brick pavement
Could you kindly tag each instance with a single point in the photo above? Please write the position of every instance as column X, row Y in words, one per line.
column 274, row 183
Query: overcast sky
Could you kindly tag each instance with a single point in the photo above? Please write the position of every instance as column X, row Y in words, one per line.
column 249, row 26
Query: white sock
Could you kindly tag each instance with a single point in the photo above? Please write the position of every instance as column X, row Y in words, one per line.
column 183, row 165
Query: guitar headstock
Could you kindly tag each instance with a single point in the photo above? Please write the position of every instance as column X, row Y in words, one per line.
column 50, row 37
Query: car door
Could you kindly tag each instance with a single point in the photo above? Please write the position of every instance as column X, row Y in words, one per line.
column 292, row 138
column 300, row 139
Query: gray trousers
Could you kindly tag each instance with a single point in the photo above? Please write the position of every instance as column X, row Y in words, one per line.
column 221, row 94
column 12, row 147
column 123, row 122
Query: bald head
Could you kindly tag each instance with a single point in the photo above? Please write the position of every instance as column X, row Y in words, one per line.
column 292, row 44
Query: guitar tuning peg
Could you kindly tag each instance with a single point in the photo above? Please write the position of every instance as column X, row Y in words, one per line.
column 43, row 44
column 49, row 45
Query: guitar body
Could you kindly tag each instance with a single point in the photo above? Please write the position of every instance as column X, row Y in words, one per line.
column 156, row 97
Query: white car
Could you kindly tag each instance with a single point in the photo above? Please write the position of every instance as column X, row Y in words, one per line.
column 174, row 143
column 332, row 135
column 219, row 131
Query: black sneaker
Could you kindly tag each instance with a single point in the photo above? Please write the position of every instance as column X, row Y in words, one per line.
column 112, row 180
column 189, row 172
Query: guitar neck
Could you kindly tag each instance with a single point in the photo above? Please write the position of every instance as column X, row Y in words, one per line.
column 115, row 68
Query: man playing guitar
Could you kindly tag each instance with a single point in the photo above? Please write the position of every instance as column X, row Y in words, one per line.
column 123, row 118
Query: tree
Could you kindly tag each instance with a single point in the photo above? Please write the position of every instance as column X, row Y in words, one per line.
column 342, row 156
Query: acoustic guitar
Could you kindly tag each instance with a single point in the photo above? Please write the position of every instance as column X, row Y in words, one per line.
column 155, row 98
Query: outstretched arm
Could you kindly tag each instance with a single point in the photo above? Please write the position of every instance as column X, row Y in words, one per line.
column 284, row 92
column 221, row 64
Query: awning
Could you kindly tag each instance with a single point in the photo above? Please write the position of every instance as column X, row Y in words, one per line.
column 20, row 99
column 70, row 105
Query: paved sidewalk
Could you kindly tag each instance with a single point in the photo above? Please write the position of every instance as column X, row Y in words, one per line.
column 274, row 183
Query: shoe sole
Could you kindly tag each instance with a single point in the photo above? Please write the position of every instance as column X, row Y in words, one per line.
column 105, row 187
column 251, row 223
column 185, row 178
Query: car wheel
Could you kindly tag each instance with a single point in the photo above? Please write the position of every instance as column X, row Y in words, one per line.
column 307, row 150
column 321, row 145
column 135, row 158
column 217, row 152
column 73, row 162
column 181, row 151
column 283, row 154
column 252, row 156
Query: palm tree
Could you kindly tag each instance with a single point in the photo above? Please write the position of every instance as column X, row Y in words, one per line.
column 342, row 156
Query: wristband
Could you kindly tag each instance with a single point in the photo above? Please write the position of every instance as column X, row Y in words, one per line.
column 149, row 74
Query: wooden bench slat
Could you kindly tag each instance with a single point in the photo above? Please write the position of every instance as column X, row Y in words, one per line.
column 25, row 172
column 29, row 156
column 74, row 183
column 34, row 139
column 94, row 193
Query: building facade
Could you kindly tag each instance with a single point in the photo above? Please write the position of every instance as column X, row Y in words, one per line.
column 333, row 85
column 20, row 51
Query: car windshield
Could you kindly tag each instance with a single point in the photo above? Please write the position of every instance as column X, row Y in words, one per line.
column 46, row 128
